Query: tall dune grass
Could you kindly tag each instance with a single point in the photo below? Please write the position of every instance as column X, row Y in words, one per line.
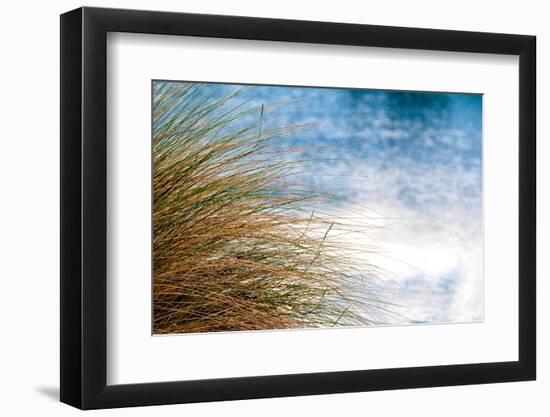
column 236, row 244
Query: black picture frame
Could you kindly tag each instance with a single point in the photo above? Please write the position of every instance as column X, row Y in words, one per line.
column 84, row 207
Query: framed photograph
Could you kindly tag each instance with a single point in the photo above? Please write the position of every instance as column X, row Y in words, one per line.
column 258, row 208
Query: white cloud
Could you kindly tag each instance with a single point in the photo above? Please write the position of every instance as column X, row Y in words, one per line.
column 431, row 254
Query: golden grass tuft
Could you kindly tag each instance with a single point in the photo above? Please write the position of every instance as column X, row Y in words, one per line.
column 236, row 245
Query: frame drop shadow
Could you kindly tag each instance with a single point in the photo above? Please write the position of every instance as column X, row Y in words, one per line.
column 49, row 392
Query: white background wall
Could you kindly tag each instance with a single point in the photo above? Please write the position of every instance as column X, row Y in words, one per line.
column 29, row 225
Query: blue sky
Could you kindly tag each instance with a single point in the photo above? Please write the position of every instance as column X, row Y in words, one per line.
column 411, row 161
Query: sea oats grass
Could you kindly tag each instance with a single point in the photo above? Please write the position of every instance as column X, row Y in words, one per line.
column 236, row 244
